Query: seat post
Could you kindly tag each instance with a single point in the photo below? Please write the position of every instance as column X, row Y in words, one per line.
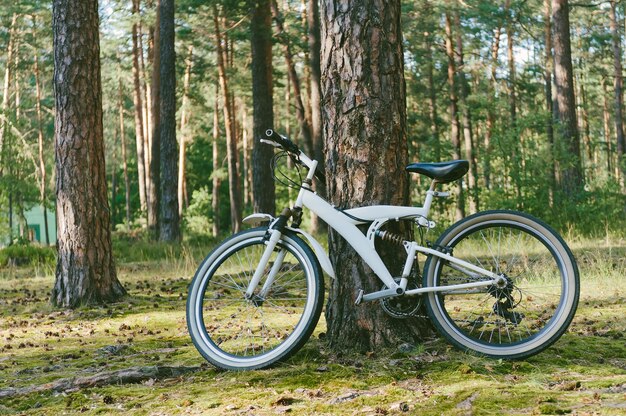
column 430, row 194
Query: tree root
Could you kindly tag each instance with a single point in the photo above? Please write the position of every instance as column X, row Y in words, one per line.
column 125, row 376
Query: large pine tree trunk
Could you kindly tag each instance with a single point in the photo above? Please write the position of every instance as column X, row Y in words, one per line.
column 169, row 222
column 263, row 188
column 366, row 152
column 572, row 180
column 85, row 268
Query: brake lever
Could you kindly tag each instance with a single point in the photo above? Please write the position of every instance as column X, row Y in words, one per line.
column 270, row 142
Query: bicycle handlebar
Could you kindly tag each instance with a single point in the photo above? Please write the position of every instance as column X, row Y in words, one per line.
column 282, row 141
column 277, row 140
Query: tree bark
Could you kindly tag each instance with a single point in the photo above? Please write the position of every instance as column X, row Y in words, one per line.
column 85, row 268
column 282, row 35
column 619, row 94
column 491, row 112
column 216, row 165
column 6, row 89
column 263, row 188
column 124, row 156
column 366, row 152
column 548, row 64
column 153, row 187
column 169, row 221
column 455, row 132
column 40, row 143
column 466, row 118
column 139, row 109
column 231, row 138
column 572, row 181
column 184, row 134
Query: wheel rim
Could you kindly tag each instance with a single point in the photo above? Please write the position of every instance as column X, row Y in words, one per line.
column 530, row 306
column 243, row 331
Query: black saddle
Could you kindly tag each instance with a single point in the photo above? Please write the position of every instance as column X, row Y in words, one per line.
column 442, row 172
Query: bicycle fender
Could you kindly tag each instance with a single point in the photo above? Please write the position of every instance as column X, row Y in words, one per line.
column 322, row 257
column 257, row 218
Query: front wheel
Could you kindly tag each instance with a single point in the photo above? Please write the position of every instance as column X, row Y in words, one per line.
column 237, row 332
column 533, row 305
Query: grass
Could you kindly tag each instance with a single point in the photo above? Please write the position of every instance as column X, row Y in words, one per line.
column 583, row 373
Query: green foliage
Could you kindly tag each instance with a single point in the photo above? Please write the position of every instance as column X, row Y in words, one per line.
column 24, row 254
column 199, row 214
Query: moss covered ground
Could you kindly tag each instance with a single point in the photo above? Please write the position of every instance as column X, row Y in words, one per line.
column 584, row 373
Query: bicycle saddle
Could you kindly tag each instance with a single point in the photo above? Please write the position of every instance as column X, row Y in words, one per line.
column 442, row 172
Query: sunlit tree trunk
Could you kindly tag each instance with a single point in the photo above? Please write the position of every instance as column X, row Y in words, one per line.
column 85, row 268
column 184, row 134
column 122, row 130
column 231, row 139
column 491, row 111
column 548, row 64
column 619, row 95
column 41, row 146
column 466, row 118
column 216, row 165
column 305, row 130
column 453, row 111
column 366, row 152
column 6, row 88
column 606, row 123
column 139, row 108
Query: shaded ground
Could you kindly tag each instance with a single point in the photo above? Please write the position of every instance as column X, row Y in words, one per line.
column 584, row 373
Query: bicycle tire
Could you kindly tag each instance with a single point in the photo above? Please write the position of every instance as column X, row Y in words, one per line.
column 235, row 333
column 517, row 321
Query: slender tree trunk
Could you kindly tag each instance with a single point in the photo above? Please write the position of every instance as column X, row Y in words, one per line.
column 455, row 132
column 432, row 91
column 85, row 268
column 40, row 142
column 124, row 156
column 245, row 141
column 169, row 221
column 491, row 112
column 231, row 139
column 619, row 95
column 153, row 188
column 184, row 134
column 139, row 109
column 366, row 152
column 466, row 118
column 548, row 64
column 315, row 72
column 216, row 165
column 572, row 181
column 606, row 119
column 6, row 89
column 263, row 189
column 305, row 130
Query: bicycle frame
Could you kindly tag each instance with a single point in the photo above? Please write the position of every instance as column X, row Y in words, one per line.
column 346, row 226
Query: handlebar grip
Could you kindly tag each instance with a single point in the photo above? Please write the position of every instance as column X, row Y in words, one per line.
column 284, row 142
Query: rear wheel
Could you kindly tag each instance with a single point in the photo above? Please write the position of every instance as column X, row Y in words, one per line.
column 533, row 305
column 238, row 333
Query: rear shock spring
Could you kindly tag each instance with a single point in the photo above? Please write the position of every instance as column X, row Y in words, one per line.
column 390, row 237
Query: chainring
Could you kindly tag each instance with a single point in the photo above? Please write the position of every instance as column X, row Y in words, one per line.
column 404, row 306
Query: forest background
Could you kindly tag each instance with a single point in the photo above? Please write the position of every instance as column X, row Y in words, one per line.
column 488, row 58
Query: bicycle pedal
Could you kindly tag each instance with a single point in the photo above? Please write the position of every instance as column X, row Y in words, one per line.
column 359, row 297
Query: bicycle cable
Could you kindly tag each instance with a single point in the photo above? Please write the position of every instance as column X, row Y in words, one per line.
column 276, row 171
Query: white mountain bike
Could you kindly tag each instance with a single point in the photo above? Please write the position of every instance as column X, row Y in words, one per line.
column 499, row 283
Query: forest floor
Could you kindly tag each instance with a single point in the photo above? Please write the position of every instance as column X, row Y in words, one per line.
column 135, row 357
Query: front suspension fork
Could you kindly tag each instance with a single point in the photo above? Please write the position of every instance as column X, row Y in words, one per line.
column 275, row 230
